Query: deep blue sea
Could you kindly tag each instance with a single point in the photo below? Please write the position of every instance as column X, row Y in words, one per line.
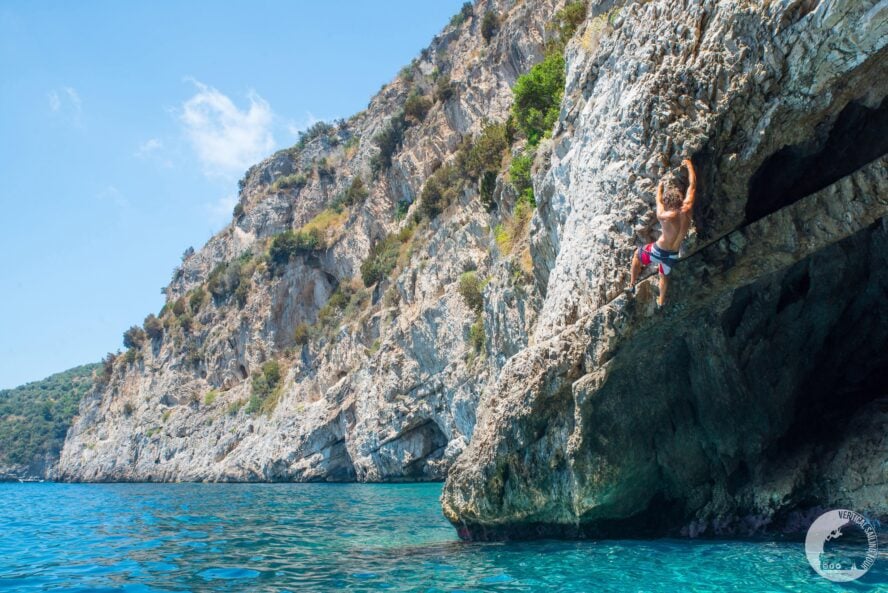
column 342, row 537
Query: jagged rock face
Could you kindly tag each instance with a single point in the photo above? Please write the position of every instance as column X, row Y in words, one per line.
column 758, row 396
column 389, row 395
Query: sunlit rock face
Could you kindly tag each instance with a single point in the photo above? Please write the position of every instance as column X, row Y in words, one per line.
column 757, row 397
column 386, row 392
column 752, row 401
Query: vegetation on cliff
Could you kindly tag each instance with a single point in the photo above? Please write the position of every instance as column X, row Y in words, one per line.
column 35, row 417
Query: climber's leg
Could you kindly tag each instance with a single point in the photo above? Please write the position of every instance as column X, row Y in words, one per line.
column 664, row 284
column 635, row 269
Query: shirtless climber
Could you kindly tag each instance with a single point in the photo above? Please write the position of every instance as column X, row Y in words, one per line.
column 674, row 214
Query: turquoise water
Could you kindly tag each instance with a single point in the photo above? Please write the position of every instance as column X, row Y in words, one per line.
column 325, row 537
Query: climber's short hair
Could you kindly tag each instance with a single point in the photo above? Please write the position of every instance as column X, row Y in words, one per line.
column 673, row 196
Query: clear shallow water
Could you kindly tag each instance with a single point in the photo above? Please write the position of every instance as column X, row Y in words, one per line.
column 325, row 537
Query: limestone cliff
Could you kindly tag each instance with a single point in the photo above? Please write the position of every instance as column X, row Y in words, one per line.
column 375, row 383
column 758, row 396
column 331, row 332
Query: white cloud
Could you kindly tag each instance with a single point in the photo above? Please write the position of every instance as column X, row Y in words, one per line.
column 227, row 140
column 54, row 102
column 66, row 101
column 73, row 97
column 112, row 194
column 149, row 147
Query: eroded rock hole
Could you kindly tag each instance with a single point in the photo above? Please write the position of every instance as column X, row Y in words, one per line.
column 858, row 136
column 430, row 442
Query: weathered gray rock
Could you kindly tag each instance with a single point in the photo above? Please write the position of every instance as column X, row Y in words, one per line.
column 389, row 395
column 751, row 402
column 736, row 410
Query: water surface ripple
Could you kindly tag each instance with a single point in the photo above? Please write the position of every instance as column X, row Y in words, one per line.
column 321, row 538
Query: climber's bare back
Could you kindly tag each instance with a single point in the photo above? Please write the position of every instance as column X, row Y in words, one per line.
column 674, row 225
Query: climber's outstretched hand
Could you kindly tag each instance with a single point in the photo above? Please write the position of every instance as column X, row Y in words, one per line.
column 691, row 194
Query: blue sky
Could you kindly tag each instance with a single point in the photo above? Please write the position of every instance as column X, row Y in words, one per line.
column 124, row 127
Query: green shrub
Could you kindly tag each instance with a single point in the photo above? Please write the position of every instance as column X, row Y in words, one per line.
column 186, row 322
column 407, row 72
column 444, row 89
column 463, row 15
column 441, row 188
column 193, row 355
column 254, row 404
column 477, row 335
column 538, row 97
column 153, row 327
column 568, row 20
column 382, row 260
column 134, row 337
column 131, row 356
column 179, row 307
column 416, row 107
column 242, row 292
column 227, row 277
column 222, row 282
column 294, row 181
column 238, row 210
column 128, row 409
column 519, row 174
column 324, row 168
column 351, row 146
column 103, row 375
column 234, row 407
column 316, row 130
column 266, row 387
column 485, row 153
column 210, row 397
column 388, row 141
column 489, row 25
column 301, row 334
column 487, row 187
column 289, row 244
column 197, row 299
column 401, row 209
column 471, row 290
column 357, row 192
column 508, row 233
column 335, row 305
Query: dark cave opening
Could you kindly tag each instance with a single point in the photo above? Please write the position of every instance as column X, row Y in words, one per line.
column 850, row 369
column 432, row 442
column 858, row 136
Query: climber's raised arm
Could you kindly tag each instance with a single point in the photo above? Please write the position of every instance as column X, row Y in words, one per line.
column 691, row 194
column 660, row 207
